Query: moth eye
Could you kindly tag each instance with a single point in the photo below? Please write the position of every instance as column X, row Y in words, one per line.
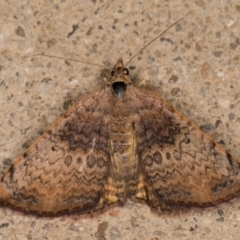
column 112, row 73
column 125, row 71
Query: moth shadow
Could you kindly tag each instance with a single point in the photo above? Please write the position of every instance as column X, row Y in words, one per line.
column 75, row 215
column 184, row 211
column 112, row 210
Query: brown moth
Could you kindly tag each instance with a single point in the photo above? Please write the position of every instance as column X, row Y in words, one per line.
column 119, row 143
column 133, row 144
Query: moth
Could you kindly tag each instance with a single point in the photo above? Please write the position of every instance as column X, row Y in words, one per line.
column 120, row 143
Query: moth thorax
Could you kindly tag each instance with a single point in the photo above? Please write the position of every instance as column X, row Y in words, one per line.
column 118, row 89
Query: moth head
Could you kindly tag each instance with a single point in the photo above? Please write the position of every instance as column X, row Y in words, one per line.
column 120, row 79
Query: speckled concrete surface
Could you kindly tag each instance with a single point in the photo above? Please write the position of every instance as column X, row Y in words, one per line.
column 195, row 65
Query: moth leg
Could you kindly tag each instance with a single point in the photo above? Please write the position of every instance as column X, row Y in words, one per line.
column 144, row 83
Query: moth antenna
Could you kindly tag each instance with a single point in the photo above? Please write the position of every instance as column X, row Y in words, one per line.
column 69, row 59
column 153, row 40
